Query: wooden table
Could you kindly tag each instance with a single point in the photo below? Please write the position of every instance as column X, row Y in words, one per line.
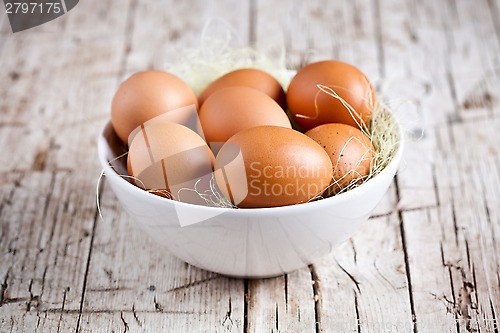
column 428, row 261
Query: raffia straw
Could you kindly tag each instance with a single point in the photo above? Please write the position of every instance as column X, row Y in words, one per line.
column 217, row 55
column 212, row 196
column 163, row 192
column 99, row 180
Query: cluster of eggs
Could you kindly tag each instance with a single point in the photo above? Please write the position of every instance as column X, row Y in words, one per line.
column 236, row 137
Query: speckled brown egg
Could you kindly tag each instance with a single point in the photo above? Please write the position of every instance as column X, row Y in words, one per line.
column 312, row 107
column 230, row 110
column 247, row 77
column 170, row 160
column 269, row 166
column 350, row 151
column 145, row 95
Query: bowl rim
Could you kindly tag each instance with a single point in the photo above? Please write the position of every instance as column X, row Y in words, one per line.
column 108, row 170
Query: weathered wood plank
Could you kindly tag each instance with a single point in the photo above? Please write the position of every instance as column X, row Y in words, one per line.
column 49, row 126
column 435, row 56
column 45, row 249
column 456, row 66
column 476, row 214
column 412, row 42
column 184, row 297
column 282, row 304
column 363, row 285
column 176, row 321
column 29, row 322
column 458, row 240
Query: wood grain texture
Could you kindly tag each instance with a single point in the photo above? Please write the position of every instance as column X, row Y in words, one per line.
column 427, row 261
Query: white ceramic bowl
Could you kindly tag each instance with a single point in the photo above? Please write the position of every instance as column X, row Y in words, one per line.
column 261, row 242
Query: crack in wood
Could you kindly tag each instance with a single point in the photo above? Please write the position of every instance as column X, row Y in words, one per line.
column 496, row 322
column 87, row 266
column 453, row 302
column 379, row 216
column 106, row 290
column 356, row 282
column 355, row 256
column 125, row 325
column 11, row 300
column 109, row 274
column 45, row 210
column 465, row 304
column 38, row 320
column 44, row 275
column 317, row 299
column 246, row 301
column 40, row 160
column 194, row 283
column 285, row 278
column 33, row 301
column 403, row 210
column 489, row 221
column 356, row 308
column 28, row 304
column 436, row 187
column 62, row 310
column 455, row 222
column 443, row 260
column 475, row 304
column 383, row 275
column 406, row 258
column 117, row 311
column 3, row 287
column 467, row 251
column 158, row 306
column 136, row 317
column 54, row 222
column 276, row 319
column 227, row 317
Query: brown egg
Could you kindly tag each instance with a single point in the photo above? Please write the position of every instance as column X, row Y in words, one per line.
column 145, row 95
column 268, row 166
column 312, row 107
column 247, row 77
column 170, row 160
column 230, row 110
column 350, row 151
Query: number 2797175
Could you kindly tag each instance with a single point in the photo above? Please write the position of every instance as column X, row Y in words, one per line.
column 32, row 7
